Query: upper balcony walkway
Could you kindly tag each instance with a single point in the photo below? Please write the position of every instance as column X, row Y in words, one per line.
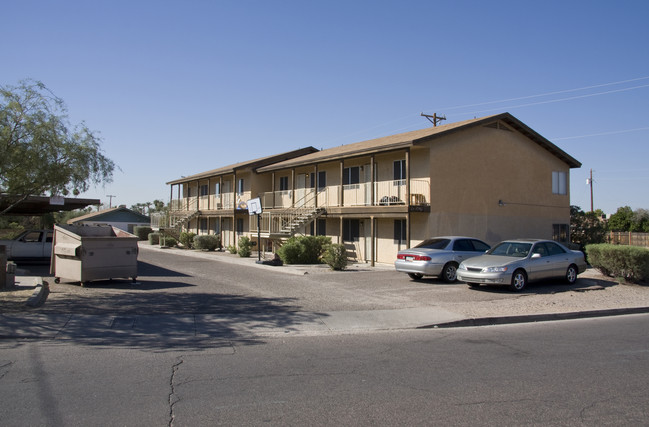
column 380, row 193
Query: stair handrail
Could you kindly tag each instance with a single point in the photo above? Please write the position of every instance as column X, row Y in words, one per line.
column 290, row 219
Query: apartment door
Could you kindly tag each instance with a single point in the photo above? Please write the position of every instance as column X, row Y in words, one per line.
column 228, row 199
column 367, row 179
column 300, row 189
column 365, row 240
column 226, row 232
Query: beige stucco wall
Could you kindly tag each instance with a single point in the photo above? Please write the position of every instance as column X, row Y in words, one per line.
column 472, row 170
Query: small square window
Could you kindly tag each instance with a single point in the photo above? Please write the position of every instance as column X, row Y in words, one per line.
column 283, row 183
column 559, row 183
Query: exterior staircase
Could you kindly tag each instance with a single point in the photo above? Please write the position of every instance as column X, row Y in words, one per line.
column 292, row 220
column 280, row 225
column 171, row 223
column 177, row 221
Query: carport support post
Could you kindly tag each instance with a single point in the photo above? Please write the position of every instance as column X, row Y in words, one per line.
column 3, row 266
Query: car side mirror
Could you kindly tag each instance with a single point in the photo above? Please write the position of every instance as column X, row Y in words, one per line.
column 536, row 255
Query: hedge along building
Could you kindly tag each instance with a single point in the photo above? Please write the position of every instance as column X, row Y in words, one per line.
column 492, row 178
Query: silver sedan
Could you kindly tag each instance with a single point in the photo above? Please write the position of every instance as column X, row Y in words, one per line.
column 439, row 256
column 516, row 262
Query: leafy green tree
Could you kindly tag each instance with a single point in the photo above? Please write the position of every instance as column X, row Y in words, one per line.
column 640, row 221
column 621, row 220
column 40, row 151
column 146, row 207
column 586, row 227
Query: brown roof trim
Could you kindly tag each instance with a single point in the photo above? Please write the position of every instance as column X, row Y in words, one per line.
column 250, row 164
column 409, row 139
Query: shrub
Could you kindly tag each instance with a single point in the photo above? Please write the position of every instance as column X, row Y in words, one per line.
column 207, row 242
column 169, row 242
column 187, row 239
column 154, row 238
column 304, row 249
column 628, row 262
column 314, row 247
column 142, row 232
column 335, row 256
column 232, row 249
column 290, row 251
column 245, row 247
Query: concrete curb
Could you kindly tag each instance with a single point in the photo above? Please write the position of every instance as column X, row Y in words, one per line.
column 532, row 318
column 40, row 293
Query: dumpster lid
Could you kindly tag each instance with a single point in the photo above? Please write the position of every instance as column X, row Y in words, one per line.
column 68, row 249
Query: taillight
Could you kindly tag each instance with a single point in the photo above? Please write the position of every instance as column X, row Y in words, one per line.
column 413, row 257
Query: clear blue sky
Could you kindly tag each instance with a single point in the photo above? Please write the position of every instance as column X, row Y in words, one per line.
column 181, row 87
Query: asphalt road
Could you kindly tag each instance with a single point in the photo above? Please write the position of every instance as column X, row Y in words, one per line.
column 171, row 283
column 581, row 372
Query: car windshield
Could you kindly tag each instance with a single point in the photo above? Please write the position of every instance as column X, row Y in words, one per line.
column 513, row 249
column 433, row 244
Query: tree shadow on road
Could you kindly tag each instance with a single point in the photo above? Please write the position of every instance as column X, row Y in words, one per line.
column 159, row 321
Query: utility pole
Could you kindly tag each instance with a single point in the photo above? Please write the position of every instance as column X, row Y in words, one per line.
column 110, row 203
column 435, row 118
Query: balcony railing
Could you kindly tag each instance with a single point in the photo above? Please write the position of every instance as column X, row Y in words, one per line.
column 386, row 193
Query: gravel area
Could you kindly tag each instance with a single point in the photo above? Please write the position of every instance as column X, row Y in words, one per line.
column 597, row 292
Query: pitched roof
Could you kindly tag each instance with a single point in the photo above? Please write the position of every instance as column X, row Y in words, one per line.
column 118, row 214
column 408, row 139
column 249, row 164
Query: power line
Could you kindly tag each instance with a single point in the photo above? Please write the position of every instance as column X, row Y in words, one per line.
column 543, row 94
column 600, row 134
column 514, row 106
column 558, row 100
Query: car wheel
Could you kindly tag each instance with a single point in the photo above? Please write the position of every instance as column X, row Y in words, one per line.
column 519, row 280
column 449, row 272
column 415, row 276
column 571, row 274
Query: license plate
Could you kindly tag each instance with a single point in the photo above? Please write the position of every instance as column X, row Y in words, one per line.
column 410, row 258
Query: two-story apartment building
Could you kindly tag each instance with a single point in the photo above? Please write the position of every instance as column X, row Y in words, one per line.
column 493, row 178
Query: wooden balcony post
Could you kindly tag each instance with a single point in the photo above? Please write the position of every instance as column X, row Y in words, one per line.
column 272, row 186
column 293, row 187
column 408, row 230
column 341, row 196
column 408, row 180
column 373, row 241
column 220, row 195
column 315, row 185
column 372, row 191
column 198, row 194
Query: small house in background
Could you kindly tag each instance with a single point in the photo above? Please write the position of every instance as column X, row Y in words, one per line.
column 120, row 217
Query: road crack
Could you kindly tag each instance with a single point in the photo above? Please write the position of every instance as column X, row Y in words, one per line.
column 173, row 399
column 4, row 368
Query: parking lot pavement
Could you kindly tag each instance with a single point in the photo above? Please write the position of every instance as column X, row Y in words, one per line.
column 249, row 317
